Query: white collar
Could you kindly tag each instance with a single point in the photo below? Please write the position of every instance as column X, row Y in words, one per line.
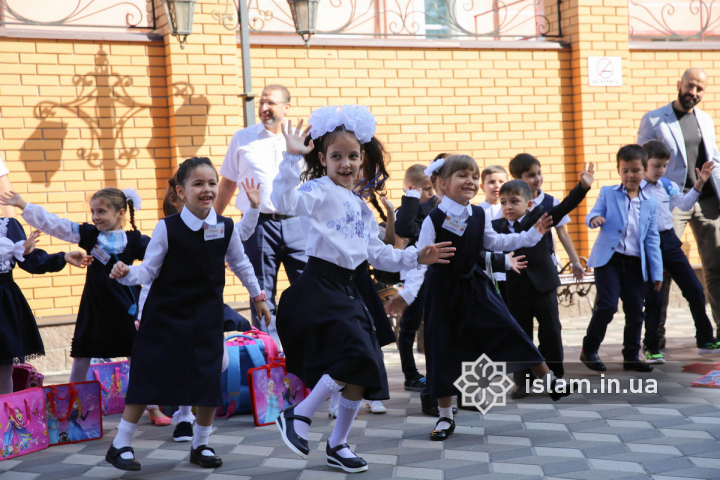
column 194, row 223
column 265, row 133
column 513, row 222
column 641, row 195
column 538, row 200
column 454, row 208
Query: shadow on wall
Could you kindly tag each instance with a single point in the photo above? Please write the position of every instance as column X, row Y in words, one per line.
column 91, row 128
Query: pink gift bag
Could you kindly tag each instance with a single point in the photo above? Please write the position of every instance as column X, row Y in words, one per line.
column 73, row 412
column 113, row 378
column 23, row 428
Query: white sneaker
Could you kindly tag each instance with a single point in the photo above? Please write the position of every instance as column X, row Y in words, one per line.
column 376, row 406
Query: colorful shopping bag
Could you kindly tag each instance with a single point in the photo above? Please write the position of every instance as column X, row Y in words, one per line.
column 22, row 423
column 26, row 376
column 74, row 412
column 113, row 378
column 273, row 389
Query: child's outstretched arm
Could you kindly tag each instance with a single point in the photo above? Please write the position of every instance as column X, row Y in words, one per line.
column 508, row 242
column 286, row 198
column 148, row 271
column 39, row 218
column 250, row 217
column 240, row 265
column 569, row 246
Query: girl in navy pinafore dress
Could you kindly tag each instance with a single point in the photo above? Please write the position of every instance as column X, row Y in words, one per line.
column 105, row 326
column 178, row 354
column 329, row 334
column 465, row 316
column 19, row 335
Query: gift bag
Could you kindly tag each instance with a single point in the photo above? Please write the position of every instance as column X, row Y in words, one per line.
column 74, row 412
column 273, row 389
column 113, row 378
column 22, row 423
column 26, row 376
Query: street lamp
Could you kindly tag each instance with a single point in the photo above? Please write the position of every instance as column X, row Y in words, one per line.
column 180, row 15
column 304, row 13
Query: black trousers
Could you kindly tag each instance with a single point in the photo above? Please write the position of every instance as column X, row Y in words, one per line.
column 620, row 279
column 544, row 308
column 409, row 325
column 677, row 265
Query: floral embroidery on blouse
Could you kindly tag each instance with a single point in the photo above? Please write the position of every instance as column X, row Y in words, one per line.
column 351, row 225
column 112, row 242
column 308, row 186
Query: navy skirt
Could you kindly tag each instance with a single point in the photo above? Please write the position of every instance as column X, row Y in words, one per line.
column 20, row 339
column 326, row 328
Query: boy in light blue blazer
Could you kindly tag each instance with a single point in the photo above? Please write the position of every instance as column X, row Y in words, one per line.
column 625, row 254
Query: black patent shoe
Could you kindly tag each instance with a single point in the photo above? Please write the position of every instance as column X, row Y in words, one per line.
column 205, row 461
column 637, row 366
column 440, row 435
column 592, row 361
column 351, row 465
column 570, row 387
column 293, row 441
column 113, row 458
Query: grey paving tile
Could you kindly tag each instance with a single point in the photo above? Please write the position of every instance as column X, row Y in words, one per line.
column 566, row 466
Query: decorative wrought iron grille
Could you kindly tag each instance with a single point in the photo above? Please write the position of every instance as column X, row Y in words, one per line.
column 118, row 14
column 429, row 19
column 675, row 20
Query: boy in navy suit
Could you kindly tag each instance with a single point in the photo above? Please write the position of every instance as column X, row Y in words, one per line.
column 626, row 254
column 532, row 293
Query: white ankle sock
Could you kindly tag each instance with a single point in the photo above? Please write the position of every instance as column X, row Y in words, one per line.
column 79, row 370
column 184, row 414
column 201, row 436
column 125, row 431
column 307, row 408
column 447, row 413
column 345, row 417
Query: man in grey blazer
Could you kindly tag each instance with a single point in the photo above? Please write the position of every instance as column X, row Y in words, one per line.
column 689, row 134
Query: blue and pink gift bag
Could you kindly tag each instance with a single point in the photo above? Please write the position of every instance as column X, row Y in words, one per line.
column 73, row 412
column 113, row 378
column 273, row 389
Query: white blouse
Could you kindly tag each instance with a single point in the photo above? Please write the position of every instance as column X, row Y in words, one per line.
column 493, row 241
column 246, row 226
column 339, row 226
column 8, row 248
column 112, row 242
column 148, row 271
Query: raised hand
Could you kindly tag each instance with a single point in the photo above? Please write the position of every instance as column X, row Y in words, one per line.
column 517, row 263
column 263, row 311
column 78, row 259
column 587, row 176
column 295, row 141
column 435, row 253
column 119, row 270
column 395, row 305
column 252, row 192
column 544, row 224
column 704, row 173
column 597, row 221
column 12, row 198
column 389, row 207
column 31, row 241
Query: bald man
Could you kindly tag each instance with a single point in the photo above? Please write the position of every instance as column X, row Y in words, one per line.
column 689, row 134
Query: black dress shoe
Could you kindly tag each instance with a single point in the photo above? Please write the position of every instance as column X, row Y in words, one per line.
column 113, row 458
column 294, row 441
column 558, row 393
column 637, row 366
column 519, row 392
column 440, row 435
column 592, row 361
column 350, row 465
column 205, row 461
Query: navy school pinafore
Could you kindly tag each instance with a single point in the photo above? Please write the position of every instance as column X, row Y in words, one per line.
column 464, row 315
column 178, row 353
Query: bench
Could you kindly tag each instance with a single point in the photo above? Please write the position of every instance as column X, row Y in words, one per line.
column 570, row 286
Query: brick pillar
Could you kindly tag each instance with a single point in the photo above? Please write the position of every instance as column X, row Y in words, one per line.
column 601, row 115
column 202, row 84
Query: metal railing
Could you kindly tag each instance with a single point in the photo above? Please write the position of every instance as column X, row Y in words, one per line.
column 84, row 14
column 676, row 20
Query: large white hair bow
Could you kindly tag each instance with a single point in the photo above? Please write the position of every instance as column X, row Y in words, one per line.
column 355, row 118
column 133, row 195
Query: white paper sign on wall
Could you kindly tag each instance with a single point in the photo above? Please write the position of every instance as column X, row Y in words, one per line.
column 605, row 71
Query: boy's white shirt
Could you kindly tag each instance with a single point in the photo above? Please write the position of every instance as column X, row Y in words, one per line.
column 666, row 203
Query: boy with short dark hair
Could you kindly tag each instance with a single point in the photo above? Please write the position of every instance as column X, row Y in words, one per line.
column 527, row 167
column 670, row 196
column 492, row 178
column 532, row 293
column 626, row 254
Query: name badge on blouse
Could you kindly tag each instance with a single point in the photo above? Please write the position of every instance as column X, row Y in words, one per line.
column 455, row 226
column 102, row 256
column 213, row 232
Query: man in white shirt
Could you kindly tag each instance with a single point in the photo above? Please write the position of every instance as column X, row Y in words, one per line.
column 256, row 152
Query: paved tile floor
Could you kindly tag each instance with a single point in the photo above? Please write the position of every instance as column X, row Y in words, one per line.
column 671, row 434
